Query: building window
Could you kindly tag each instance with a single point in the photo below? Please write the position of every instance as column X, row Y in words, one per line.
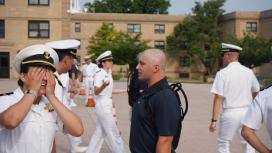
column 2, row 2
column 159, row 44
column 38, row 2
column 77, row 27
column 251, row 26
column 159, row 28
column 110, row 25
column 38, row 29
column 134, row 28
column 2, row 29
column 184, row 61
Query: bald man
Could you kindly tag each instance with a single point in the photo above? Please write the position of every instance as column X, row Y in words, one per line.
column 155, row 115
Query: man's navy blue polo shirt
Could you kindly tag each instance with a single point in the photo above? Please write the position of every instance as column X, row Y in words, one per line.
column 146, row 129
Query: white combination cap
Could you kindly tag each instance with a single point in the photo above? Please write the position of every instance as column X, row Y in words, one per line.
column 107, row 55
column 230, row 48
column 68, row 46
column 36, row 55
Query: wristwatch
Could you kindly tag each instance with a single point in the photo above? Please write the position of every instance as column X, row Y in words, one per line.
column 31, row 92
column 213, row 120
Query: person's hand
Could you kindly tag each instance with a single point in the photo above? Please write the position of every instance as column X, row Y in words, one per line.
column 34, row 79
column 212, row 127
column 105, row 83
column 51, row 83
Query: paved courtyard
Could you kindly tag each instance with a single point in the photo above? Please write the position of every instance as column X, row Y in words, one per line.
column 195, row 137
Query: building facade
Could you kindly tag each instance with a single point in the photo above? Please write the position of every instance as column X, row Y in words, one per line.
column 27, row 22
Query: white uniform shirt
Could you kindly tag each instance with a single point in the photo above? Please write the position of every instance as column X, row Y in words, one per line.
column 236, row 84
column 98, row 81
column 64, row 79
column 35, row 134
column 260, row 111
column 89, row 70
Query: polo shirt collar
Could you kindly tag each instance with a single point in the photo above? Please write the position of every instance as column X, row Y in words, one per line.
column 157, row 86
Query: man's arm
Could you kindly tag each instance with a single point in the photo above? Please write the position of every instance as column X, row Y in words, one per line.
column 217, row 103
column 164, row 144
column 250, row 136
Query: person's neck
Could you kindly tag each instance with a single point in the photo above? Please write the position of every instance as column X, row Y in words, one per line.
column 155, row 79
column 106, row 69
column 59, row 69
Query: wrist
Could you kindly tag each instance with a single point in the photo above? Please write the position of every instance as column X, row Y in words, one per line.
column 32, row 93
column 213, row 120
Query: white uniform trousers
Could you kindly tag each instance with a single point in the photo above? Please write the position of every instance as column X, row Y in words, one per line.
column 230, row 124
column 105, row 128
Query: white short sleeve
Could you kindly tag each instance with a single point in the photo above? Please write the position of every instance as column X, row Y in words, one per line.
column 218, row 84
column 254, row 116
column 255, row 84
column 98, row 79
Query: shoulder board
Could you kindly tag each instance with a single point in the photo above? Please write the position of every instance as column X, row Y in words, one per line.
column 59, row 81
column 98, row 71
column 266, row 87
column 6, row 94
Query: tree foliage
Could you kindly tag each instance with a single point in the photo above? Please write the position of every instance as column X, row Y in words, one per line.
column 256, row 49
column 198, row 36
column 124, row 47
column 129, row 6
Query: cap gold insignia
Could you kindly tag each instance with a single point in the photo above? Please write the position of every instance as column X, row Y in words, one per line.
column 46, row 55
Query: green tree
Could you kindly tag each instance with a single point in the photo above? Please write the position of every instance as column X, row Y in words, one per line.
column 124, row 47
column 256, row 49
column 129, row 6
column 198, row 36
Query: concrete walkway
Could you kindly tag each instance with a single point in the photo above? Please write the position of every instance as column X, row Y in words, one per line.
column 195, row 137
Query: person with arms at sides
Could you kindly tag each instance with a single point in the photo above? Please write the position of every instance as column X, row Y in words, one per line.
column 155, row 120
column 234, row 87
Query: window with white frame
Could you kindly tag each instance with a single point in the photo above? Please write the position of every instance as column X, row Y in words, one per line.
column 38, row 2
column 159, row 28
column 251, row 26
column 159, row 44
column 38, row 29
column 133, row 28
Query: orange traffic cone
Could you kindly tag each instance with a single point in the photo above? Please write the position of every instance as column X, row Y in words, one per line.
column 90, row 102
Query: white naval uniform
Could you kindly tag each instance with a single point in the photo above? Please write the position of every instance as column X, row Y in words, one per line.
column 64, row 79
column 36, row 132
column 235, row 83
column 105, row 125
column 260, row 111
column 88, row 71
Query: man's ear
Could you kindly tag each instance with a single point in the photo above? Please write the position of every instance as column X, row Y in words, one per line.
column 156, row 68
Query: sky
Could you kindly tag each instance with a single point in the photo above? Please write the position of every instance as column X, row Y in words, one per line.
column 179, row 7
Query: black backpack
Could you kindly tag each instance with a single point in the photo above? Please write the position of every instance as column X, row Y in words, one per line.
column 133, row 87
column 176, row 87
